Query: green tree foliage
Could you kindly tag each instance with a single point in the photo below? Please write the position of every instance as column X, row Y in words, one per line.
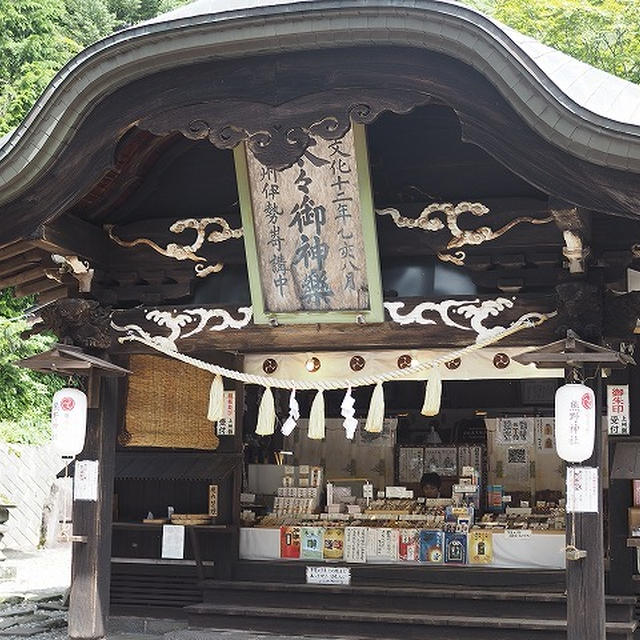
column 25, row 395
column 88, row 20
column 603, row 33
column 33, row 47
column 37, row 38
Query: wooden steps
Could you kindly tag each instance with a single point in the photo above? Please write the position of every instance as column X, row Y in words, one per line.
column 410, row 575
column 423, row 600
column 377, row 624
column 395, row 611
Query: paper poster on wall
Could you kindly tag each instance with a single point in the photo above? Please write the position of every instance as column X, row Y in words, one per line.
column 480, row 547
column 441, row 460
column 431, row 546
column 514, row 431
column 470, row 456
column 173, row 541
column 333, row 543
column 582, row 489
column 410, row 464
column 311, row 543
column 387, row 437
column 355, row 544
column 85, row 480
column 545, row 440
column 516, row 464
column 409, row 545
column 618, row 409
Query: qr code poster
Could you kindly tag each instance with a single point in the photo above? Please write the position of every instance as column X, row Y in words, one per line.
column 514, row 431
column 517, row 456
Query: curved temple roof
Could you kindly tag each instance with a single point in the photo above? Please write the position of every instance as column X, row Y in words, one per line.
column 585, row 111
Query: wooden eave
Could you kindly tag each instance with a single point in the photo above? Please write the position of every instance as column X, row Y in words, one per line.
column 590, row 141
column 574, row 352
column 68, row 360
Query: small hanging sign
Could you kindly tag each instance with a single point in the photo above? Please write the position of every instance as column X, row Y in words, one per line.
column 618, row 409
column 582, row 489
column 213, row 500
column 226, row 426
column 328, row 575
column 85, row 480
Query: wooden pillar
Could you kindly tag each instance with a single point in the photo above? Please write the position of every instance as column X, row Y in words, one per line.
column 91, row 559
column 585, row 577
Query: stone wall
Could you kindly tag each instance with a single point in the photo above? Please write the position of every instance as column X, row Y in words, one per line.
column 27, row 477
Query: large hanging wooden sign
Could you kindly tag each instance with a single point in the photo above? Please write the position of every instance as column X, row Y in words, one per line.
column 310, row 234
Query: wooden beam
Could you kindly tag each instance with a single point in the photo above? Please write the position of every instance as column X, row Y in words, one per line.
column 29, row 275
column 53, row 294
column 388, row 334
column 21, row 261
column 15, row 249
column 68, row 235
column 38, row 286
column 91, row 560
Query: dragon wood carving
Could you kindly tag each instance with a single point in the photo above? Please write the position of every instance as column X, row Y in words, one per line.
column 188, row 251
column 460, row 238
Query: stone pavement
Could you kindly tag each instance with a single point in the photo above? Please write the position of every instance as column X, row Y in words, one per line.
column 129, row 628
column 217, row 634
column 42, row 572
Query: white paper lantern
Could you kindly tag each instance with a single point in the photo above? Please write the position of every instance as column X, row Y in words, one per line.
column 575, row 422
column 69, row 421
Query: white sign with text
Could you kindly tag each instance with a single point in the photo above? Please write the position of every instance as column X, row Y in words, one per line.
column 328, row 575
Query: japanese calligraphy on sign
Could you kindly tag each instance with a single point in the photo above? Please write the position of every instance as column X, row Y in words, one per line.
column 582, row 489
column 618, row 409
column 513, row 431
column 226, row 426
column 307, row 224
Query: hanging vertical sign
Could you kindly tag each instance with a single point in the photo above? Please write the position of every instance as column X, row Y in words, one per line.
column 85, row 480
column 226, row 426
column 310, row 234
column 618, row 409
column 582, row 489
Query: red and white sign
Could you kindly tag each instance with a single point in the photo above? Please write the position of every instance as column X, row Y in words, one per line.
column 618, row 409
column 226, row 426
